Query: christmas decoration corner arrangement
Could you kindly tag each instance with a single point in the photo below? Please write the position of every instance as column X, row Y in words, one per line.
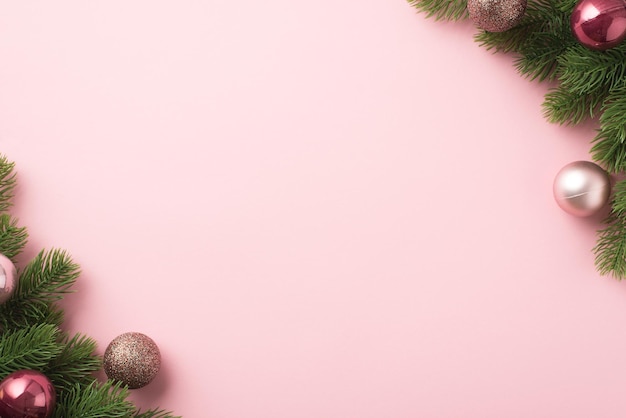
column 44, row 371
column 578, row 46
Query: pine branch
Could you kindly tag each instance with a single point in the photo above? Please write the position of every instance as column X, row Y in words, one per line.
column 539, row 40
column 540, row 61
column 75, row 363
column 610, row 249
column 12, row 238
column 30, row 337
column 44, row 280
column 28, row 348
column 442, row 9
column 94, row 401
column 566, row 6
column 564, row 107
column 7, row 183
column 540, row 16
column 512, row 40
column 47, row 277
column 14, row 316
column 588, row 72
column 609, row 148
column 155, row 413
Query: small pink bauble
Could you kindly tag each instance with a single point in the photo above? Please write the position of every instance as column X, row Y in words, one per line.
column 599, row 24
column 26, row 394
column 582, row 188
column 8, row 279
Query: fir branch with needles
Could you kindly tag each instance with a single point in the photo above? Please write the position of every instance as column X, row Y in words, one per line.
column 442, row 9
column 30, row 327
column 7, row 183
column 586, row 85
column 609, row 147
column 611, row 247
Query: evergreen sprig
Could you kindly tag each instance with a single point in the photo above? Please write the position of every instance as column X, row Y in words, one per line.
column 611, row 247
column 75, row 363
column 28, row 348
column 7, row 183
column 95, row 400
column 44, row 281
column 48, row 277
column 589, row 85
column 442, row 9
column 154, row 413
column 30, row 333
column 609, row 148
column 12, row 237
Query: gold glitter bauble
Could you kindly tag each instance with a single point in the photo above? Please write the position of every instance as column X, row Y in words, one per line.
column 496, row 15
column 133, row 359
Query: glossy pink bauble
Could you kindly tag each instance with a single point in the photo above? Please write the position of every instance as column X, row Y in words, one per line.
column 26, row 394
column 599, row 24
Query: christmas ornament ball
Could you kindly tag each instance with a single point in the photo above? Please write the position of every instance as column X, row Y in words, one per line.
column 133, row 359
column 8, row 278
column 599, row 24
column 26, row 394
column 496, row 15
column 582, row 188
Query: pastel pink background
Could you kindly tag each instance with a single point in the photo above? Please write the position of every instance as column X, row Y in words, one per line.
column 330, row 209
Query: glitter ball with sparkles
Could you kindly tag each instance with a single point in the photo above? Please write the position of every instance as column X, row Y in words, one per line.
column 133, row 359
column 496, row 15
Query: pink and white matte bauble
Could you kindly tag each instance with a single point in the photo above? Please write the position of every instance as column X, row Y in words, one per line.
column 8, row 278
column 26, row 394
column 582, row 188
column 599, row 24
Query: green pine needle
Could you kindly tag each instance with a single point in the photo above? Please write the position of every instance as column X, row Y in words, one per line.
column 610, row 249
column 44, row 281
column 609, row 144
column 95, row 401
column 106, row 400
column 12, row 238
column 156, row 413
column 510, row 40
column 7, row 183
column 564, row 107
column 28, row 348
column 566, row 6
column 75, row 363
column 541, row 62
column 15, row 315
column 47, row 277
column 442, row 9
column 586, row 72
